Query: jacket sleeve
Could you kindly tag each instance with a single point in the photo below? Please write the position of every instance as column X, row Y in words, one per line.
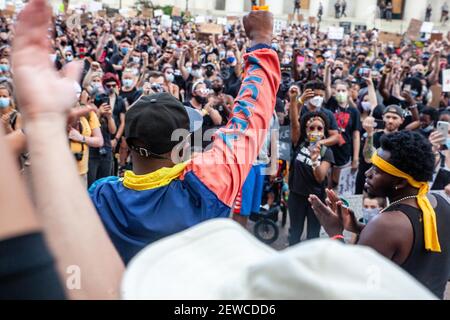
column 225, row 166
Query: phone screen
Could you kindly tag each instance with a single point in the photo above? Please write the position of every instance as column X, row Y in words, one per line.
column 300, row 59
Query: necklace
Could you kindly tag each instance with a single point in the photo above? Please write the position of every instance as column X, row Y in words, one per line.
column 398, row 201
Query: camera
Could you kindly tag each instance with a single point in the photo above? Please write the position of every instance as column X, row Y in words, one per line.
column 101, row 99
column 156, row 87
column 78, row 156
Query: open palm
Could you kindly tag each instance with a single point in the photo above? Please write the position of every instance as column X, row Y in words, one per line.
column 40, row 88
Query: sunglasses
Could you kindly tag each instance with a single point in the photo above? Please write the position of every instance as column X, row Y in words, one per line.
column 110, row 86
column 314, row 128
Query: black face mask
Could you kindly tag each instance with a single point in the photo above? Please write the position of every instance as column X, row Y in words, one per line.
column 201, row 100
column 217, row 89
column 209, row 73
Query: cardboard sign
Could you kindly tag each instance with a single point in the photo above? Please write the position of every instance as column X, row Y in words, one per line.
column 436, row 37
column 386, row 37
column 9, row 10
column 300, row 18
column 158, row 13
column 427, row 27
column 335, row 33
column 101, row 13
column 446, row 80
column 210, row 28
column 414, row 28
column 147, row 13
column 176, row 12
column 84, row 19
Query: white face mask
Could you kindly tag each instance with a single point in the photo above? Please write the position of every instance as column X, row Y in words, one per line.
column 342, row 97
column 366, row 106
column 316, row 101
column 369, row 214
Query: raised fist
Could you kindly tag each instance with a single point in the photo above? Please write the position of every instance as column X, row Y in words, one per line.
column 259, row 27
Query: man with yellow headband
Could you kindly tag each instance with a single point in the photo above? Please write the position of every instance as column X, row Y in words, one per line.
column 414, row 230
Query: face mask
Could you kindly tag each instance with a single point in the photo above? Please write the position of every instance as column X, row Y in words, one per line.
column 342, row 97
column 366, row 106
column 4, row 103
column 128, row 83
column 378, row 66
column 231, row 60
column 217, row 89
column 136, row 60
column 124, row 50
column 316, row 101
column 275, row 46
column 314, row 136
column 189, row 70
column 96, row 85
column 170, row 77
column 4, row 67
column 173, row 46
column 222, row 55
column 369, row 214
column 69, row 58
column 196, row 73
column 286, row 61
column 209, row 73
column 428, row 129
column 201, row 100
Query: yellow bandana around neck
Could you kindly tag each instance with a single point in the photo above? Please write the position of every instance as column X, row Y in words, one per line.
column 153, row 180
column 429, row 216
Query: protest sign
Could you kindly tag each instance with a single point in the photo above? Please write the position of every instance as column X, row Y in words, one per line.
column 427, row 27
column 335, row 33
column 284, row 143
column 95, row 6
column 210, row 28
column 414, row 28
column 347, row 27
column 446, row 80
column 166, row 21
column 158, row 13
column 222, row 21
column 436, row 37
column 386, row 37
column 347, row 182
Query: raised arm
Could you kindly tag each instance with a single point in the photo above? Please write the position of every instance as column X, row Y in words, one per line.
column 224, row 168
column 72, row 227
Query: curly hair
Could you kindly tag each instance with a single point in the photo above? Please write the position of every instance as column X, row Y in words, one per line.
column 410, row 152
column 308, row 116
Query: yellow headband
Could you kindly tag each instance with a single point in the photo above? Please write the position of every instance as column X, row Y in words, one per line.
column 429, row 216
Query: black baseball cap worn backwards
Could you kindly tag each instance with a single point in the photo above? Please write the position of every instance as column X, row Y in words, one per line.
column 151, row 121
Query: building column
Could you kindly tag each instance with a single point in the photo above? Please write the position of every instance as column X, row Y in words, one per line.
column 313, row 8
column 276, row 6
column 415, row 10
column 366, row 10
column 234, row 6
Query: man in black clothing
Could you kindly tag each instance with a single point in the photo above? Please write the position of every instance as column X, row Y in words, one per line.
column 413, row 231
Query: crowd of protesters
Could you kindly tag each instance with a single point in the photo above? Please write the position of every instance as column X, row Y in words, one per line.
column 343, row 99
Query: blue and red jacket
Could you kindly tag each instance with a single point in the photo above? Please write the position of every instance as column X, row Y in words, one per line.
column 138, row 210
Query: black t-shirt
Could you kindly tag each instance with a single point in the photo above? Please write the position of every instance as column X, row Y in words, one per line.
column 348, row 121
column 131, row 96
column 95, row 152
column 119, row 107
column 301, row 177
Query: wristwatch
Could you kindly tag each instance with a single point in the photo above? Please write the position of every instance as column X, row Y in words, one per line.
column 83, row 140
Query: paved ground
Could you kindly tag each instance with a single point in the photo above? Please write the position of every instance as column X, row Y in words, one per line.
column 282, row 243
